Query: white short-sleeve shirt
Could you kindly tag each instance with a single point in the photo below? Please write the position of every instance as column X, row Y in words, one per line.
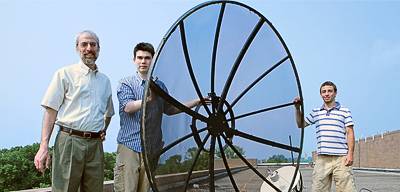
column 82, row 97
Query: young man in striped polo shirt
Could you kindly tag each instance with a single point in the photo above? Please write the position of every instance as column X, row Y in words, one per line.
column 335, row 141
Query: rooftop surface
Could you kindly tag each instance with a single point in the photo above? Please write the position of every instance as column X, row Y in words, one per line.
column 374, row 181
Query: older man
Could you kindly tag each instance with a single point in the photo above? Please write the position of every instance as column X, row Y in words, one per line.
column 79, row 101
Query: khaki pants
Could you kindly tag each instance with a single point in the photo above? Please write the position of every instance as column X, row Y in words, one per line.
column 328, row 167
column 77, row 163
column 129, row 172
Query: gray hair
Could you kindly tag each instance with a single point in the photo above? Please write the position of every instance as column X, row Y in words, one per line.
column 91, row 33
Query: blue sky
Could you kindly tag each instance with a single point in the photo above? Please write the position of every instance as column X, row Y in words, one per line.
column 355, row 44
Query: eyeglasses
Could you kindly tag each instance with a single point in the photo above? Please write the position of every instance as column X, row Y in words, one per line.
column 85, row 44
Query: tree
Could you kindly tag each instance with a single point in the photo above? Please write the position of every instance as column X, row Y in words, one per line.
column 229, row 153
column 277, row 159
column 17, row 170
column 171, row 165
column 109, row 163
column 202, row 160
column 175, row 164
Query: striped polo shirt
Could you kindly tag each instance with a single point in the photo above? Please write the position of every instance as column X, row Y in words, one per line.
column 331, row 129
column 129, row 89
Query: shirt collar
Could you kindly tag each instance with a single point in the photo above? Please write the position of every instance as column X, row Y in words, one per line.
column 337, row 106
column 85, row 69
column 139, row 78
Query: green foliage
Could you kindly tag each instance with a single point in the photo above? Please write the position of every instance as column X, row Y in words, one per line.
column 171, row 165
column 278, row 159
column 109, row 163
column 175, row 164
column 202, row 160
column 305, row 159
column 18, row 172
column 229, row 153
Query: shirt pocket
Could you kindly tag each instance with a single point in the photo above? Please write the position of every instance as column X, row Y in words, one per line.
column 80, row 91
column 103, row 96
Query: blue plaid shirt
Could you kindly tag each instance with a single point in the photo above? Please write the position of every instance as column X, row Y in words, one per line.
column 130, row 89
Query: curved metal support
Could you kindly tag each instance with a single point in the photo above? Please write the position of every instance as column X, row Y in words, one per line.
column 190, row 69
column 176, row 142
column 195, row 160
column 261, row 110
column 261, row 140
column 239, row 60
column 157, row 89
column 248, row 164
column 211, row 164
column 214, row 53
column 228, row 170
column 257, row 80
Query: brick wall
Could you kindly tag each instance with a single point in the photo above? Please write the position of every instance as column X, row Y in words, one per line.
column 380, row 151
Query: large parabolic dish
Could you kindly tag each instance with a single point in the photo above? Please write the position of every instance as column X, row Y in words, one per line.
column 230, row 53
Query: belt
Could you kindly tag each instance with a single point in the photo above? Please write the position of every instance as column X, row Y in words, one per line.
column 84, row 134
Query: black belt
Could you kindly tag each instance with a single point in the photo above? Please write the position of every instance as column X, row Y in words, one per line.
column 84, row 134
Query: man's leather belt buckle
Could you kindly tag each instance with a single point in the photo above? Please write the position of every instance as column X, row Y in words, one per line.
column 87, row 135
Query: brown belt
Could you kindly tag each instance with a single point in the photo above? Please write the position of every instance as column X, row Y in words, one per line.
column 84, row 134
